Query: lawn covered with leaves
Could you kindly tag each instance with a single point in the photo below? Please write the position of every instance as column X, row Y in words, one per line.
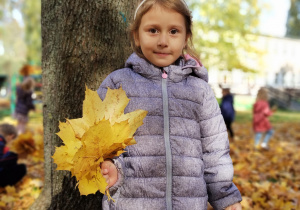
column 267, row 179
column 30, row 148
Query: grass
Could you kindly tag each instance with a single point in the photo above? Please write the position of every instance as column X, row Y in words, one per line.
column 4, row 112
column 243, row 105
column 279, row 116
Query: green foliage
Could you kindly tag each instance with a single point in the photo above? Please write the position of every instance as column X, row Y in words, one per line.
column 12, row 46
column 293, row 20
column 32, row 18
column 221, row 29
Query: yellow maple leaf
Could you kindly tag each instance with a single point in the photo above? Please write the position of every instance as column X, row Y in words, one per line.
column 103, row 132
column 64, row 154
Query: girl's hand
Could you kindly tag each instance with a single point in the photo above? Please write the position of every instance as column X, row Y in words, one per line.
column 236, row 206
column 109, row 172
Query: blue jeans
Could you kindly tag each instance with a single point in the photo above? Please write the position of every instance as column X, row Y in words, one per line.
column 258, row 136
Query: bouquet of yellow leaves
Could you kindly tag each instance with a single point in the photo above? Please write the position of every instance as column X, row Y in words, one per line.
column 103, row 132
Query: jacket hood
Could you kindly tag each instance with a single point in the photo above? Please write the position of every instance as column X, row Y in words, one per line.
column 176, row 72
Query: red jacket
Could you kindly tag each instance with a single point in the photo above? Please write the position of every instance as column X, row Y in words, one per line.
column 3, row 148
column 261, row 112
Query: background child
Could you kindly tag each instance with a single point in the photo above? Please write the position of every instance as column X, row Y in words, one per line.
column 261, row 123
column 181, row 159
column 10, row 171
column 24, row 103
column 227, row 110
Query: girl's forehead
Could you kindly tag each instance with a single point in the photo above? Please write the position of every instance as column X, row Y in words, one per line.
column 159, row 7
column 160, row 10
column 163, row 16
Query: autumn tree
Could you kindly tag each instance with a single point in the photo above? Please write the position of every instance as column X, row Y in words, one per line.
column 82, row 42
column 32, row 17
column 293, row 20
column 221, row 29
column 12, row 45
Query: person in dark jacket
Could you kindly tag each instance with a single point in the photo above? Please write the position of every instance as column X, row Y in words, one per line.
column 181, row 159
column 24, row 103
column 10, row 171
column 227, row 110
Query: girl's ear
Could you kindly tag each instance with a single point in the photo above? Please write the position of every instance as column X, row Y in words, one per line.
column 136, row 39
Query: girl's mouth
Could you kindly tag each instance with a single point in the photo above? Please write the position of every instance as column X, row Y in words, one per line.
column 161, row 54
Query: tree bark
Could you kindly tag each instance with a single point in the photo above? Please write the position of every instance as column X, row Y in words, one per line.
column 82, row 42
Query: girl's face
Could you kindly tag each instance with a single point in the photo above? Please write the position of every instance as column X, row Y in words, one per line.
column 161, row 36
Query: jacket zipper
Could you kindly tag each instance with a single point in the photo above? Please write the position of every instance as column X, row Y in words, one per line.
column 167, row 140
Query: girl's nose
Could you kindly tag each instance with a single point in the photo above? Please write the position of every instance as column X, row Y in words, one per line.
column 163, row 40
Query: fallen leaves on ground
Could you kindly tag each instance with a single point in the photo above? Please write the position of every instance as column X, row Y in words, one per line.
column 24, row 193
column 24, row 144
column 267, row 179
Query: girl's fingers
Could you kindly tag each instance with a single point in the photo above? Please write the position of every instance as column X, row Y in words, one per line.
column 105, row 167
column 109, row 172
column 104, row 171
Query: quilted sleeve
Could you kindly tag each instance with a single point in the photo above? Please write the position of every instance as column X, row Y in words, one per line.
column 218, row 168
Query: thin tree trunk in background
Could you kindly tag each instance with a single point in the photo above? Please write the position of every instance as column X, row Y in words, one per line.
column 82, row 42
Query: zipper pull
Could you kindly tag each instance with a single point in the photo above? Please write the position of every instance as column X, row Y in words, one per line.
column 164, row 75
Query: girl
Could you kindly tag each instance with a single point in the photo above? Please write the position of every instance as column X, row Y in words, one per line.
column 181, row 159
column 261, row 123
column 24, row 103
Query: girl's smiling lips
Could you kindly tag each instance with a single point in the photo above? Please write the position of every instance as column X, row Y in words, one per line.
column 161, row 54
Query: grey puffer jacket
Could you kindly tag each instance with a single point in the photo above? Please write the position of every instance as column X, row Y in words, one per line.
column 181, row 159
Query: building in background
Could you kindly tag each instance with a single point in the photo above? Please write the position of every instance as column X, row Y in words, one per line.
column 281, row 62
column 277, row 66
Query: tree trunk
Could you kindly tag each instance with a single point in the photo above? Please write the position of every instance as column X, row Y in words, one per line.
column 82, row 42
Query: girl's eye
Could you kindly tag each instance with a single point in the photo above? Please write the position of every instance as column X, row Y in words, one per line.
column 174, row 31
column 153, row 30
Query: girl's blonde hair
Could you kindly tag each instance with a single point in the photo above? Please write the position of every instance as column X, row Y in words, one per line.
column 28, row 84
column 176, row 5
column 262, row 94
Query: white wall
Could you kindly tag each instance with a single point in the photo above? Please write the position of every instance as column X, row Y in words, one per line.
column 279, row 66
